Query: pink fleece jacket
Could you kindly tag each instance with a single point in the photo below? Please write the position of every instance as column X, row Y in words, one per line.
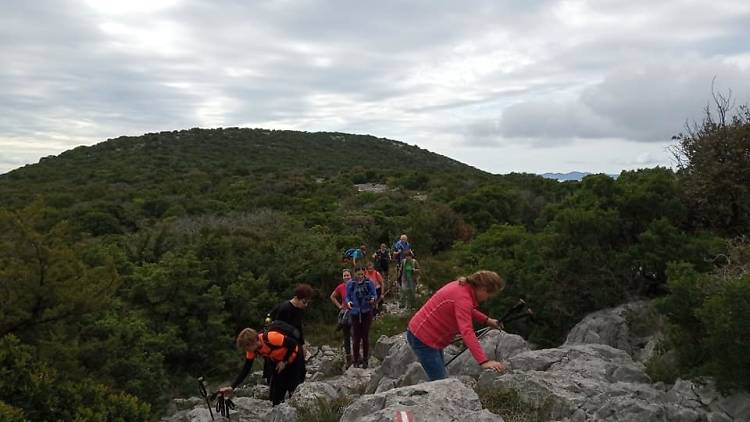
column 449, row 312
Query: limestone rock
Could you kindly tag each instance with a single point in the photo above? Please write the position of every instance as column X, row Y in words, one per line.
column 596, row 382
column 308, row 393
column 323, row 362
column 447, row 400
column 351, row 383
column 384, row 344
column 282, row 413
column 630, row 327
column 400, row 367
column 498, row 345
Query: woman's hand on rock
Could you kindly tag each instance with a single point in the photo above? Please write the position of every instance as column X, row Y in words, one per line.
column 494, row 365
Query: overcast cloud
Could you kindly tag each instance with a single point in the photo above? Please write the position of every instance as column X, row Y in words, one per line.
column 535, row 86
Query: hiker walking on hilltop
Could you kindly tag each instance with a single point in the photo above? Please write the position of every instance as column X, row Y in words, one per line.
column 409, row 278
column 293, row 312
column 377, row 280
column 356, row 256
column 381, row 259
column 448, row 312
column 277, row 347
column 343, row 320
column 360, row 296
column 400, row 248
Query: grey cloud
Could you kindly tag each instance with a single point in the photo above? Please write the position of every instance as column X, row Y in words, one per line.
column 643, row 103
column 497, row 72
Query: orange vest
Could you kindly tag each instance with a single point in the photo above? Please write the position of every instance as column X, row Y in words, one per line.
column 273, row 349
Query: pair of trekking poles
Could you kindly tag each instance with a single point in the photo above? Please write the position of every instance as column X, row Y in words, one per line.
column 223, row 404
column 518, row 311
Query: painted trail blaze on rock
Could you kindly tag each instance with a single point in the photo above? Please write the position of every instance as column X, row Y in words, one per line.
column 404, row 416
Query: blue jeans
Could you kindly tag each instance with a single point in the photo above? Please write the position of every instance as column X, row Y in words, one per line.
column 431, row 359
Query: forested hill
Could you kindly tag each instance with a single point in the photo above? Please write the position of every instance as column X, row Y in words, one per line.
column 226, row 162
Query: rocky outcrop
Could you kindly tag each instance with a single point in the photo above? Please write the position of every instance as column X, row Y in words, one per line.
column 400, row 367
column 597, row 375
column 247, row 410
column 446, row 400
column 633, row 327
column 497, row 345
column 323, row 362
column 596, row 382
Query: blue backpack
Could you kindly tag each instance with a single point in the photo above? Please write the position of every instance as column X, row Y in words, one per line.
column 349, row 253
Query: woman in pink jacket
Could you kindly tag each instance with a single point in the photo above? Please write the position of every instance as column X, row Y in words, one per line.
column 450, row 311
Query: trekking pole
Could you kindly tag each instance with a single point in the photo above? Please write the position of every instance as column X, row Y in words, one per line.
column 515, row 308
column 527, row 314
column 478, row 333
column 507, row 317
column 204, row 393
column 464, row 349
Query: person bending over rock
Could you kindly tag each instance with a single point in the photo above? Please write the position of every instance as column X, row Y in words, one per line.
column 448, row 312
column 281, row 349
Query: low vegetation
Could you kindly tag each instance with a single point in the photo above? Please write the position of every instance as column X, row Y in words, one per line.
column 508, row 403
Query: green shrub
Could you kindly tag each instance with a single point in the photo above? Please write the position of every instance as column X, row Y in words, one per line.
column 324, row 410
column 9, row 413
column 507, row 403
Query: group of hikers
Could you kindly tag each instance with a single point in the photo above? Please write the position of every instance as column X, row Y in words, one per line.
column 448, row 312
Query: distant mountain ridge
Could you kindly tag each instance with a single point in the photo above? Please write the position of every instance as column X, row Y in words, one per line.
column 571, row 176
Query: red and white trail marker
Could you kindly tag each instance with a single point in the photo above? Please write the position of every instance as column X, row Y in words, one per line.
column 404, row 416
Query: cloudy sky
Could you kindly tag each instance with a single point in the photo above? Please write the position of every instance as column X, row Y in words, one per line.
column 534, row 86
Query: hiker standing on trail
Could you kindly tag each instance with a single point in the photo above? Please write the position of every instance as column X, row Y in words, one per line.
column 292, row 312
column 360, row 296
column 344, row 321
column 276, row 347
column 358, row 256
column 355, row 256
column 377, row 280
column 382, row 258
column 409, row 277
column 449, row 312
column 400, row 248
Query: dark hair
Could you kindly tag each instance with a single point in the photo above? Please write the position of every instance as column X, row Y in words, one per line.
column 303, row 291
column 359, row 268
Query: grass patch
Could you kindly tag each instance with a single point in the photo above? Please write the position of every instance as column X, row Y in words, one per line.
column 320, row 333
column 507, row 403
column 387, row 325
column 663, row 365
column 323, row 410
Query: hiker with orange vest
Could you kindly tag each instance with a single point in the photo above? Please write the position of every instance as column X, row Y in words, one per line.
column 280, row 348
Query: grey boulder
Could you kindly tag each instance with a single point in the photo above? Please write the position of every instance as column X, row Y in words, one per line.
column 447, row 400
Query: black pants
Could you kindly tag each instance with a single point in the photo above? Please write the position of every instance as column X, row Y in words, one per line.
column 287, row 380
column 281, row 383
column 361, row 333
column 347, row 331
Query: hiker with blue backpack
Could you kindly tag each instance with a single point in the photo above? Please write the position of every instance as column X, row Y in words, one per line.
column 360, row 297
column 355, row 255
